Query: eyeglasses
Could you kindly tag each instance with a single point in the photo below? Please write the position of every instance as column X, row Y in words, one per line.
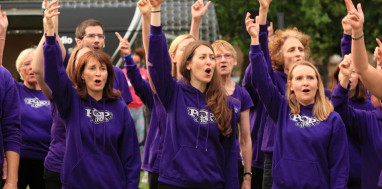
column 26, row 64
column 226, row 56
column 92, row 35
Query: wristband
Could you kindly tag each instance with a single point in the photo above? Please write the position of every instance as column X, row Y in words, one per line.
column 2, row 39
column 359, row 37
column 155, row 11
column 10, row 184
column 247, row 173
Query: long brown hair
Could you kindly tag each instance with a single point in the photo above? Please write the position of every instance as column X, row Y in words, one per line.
column 279, row 38
column 322, row 105
column 360, row 91
column 215, row 94
column 103, row 58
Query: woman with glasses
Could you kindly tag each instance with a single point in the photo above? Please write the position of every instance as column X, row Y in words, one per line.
column 225, row 57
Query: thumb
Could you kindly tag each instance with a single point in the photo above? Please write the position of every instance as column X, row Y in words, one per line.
column 359, row 8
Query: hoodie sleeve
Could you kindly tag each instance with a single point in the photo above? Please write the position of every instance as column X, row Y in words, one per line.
column 346, row 44
column 56, row 77
column 338, row 155
column 141, row 86
column 247, row 84
column 120, row 83
column 160, row 65
column 263, row 40
column 10, row 113
column 129, row 152
column 273, row 101
column 353, row 119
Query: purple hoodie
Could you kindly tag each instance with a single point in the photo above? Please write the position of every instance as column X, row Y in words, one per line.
column 153, row 144
column 10, row 133
column 195, row 154
column 308, row 153
column 102, row 146
column 366, row 127
column 36, row 122
column 55, row 156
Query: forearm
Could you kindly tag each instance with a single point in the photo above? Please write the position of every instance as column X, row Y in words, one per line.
column 155, row 16
column 195, row 26
column 345, row 82
column 263, row 13
column 3, row 33
column 13, row 160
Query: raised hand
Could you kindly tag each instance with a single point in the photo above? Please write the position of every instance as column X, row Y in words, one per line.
column 252, row 28
column 355, row 16
column 51, row 10
column 156, row 3
column 144, row 6
column 346, row 25
column 346, row 66
column 378, row 53
column 198, row 9
column 124, row 45
column 265, row 3
column 270, row 31
column 3, row 21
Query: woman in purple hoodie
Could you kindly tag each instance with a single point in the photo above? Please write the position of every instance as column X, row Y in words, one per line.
column 310, row 144
column 102, row 147
column 199, row 141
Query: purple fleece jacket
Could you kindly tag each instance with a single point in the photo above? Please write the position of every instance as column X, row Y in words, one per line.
column 308, row 153
column 195, row 154
column 36, row 122
column 102, row 146
column 153, row 145
column 10, row 133
column 366, row 127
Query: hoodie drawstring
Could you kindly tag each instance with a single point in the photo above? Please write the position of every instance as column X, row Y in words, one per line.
column 197, row 135
column 104, row 123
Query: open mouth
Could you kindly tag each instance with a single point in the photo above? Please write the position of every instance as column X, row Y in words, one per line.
column 97, row 81
column 208, row 70
column 223, row 66
column 306, row 90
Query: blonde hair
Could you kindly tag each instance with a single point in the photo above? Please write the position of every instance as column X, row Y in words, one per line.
column 172, row 50
column 23, row 54
column 322, row 105
column 220, row 45
column 279, row 38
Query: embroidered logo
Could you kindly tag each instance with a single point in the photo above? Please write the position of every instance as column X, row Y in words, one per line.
column 203, row 115
column 98, row 115
column 304, row 121
column 36, row 103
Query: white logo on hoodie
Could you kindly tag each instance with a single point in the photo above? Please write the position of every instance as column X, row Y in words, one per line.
column 304, row 121
column 203, row 114
column 98, row 115
column 36, row 103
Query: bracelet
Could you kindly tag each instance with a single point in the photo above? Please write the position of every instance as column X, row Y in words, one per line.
column 10, row 184
column 2, row 39
column 356, row 38
column 155, row 11
column 247, row 173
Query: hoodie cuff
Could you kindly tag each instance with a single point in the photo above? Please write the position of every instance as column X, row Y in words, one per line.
column 128, row 60
column 264, row 28
column 50, row 40
column 346, row 37
column 255, row 48
column 156, row 30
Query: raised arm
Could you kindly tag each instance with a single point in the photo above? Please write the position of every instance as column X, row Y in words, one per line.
column 370, row 77
column 141, row 86
column 159, row 58
column 198, row 9
column 264, row 33
column 266, row 90
column 346, row 37
column 50, row 15
column 378, row 54
column 3, row 33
